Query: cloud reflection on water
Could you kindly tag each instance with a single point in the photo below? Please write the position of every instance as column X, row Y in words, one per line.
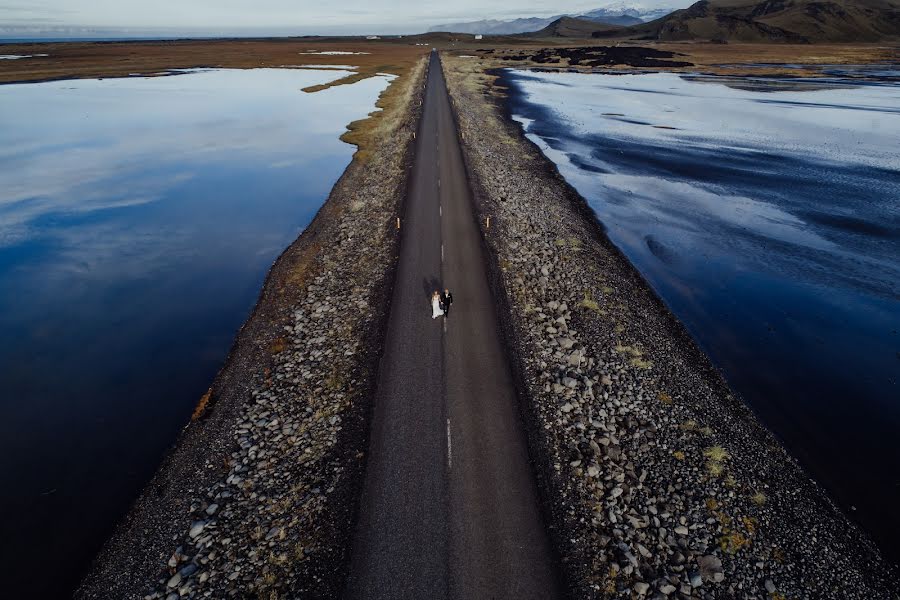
column 768, row 218
column 138, row 218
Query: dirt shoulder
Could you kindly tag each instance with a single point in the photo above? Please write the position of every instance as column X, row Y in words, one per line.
column 258, row 496
column 657, row 481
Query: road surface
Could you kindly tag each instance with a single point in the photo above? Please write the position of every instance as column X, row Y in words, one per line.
column 449, row 506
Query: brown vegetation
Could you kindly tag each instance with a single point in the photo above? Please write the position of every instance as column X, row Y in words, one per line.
column 202, row 404
column 123, row 59
column 694, row 56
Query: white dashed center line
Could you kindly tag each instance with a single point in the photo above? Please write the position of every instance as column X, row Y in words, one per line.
column 449, row 447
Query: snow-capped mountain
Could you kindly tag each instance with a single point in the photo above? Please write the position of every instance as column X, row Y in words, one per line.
column 619, row 13
column 628, row 9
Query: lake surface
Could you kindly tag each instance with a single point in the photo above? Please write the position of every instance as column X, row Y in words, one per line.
column 766, row 214
column 138, row 218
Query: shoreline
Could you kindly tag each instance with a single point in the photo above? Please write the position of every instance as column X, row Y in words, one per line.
column 831, row 450
column 632, row 380
column 218, row 479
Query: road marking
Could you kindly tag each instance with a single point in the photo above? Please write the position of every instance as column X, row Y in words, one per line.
column 440, row 210
column 449, row 447
column 442, row 253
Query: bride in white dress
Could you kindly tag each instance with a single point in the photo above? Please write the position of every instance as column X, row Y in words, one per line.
column 436, row 310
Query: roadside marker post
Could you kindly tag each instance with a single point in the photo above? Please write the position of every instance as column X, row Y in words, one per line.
column 487, row 223
column 398, row 222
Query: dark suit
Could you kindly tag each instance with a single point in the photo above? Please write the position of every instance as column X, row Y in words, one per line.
column 446, row 301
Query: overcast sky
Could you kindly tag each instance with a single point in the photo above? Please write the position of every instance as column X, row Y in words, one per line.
column 296, row 16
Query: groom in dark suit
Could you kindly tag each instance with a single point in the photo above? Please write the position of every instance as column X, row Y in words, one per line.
column 446, row 301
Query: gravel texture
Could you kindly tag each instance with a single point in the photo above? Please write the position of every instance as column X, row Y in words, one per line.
column 656, row 480
column 259, row 495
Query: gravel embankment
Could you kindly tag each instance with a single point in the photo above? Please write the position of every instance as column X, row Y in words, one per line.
column 656, row 480
column 258, row 496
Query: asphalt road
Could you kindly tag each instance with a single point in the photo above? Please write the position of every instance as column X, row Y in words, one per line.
column 449, row 506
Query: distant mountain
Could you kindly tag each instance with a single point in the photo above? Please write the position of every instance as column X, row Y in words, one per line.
column 624, row 9
column 495, row 27
column 614, row 14
column 793, row 21
column 789, row 21
column 574, row 28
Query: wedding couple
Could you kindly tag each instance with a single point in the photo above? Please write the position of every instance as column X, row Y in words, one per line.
column 440, row 303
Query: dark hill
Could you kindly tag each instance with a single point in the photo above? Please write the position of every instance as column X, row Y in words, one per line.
column 797, row 21
column 575, row 28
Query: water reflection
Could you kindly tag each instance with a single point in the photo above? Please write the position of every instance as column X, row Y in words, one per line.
column 769, row 221
column 138, row 218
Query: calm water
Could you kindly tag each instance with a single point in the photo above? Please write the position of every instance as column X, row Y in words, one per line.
column 768, row 219
column 138, row 218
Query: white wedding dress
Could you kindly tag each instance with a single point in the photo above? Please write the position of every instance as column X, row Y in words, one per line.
column 436, row 310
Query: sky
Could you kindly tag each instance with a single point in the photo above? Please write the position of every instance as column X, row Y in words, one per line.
column 279, row 17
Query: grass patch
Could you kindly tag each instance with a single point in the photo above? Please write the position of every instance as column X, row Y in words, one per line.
column 758, row 498
column 716, row 453
column 664, row 398
column 202, row 404
column 733, row 541
column 628, row 350
column 278, row 346
column 714, row 468
column 589, row 303
column 335, row 381
column 640, row 363
column 715, row 456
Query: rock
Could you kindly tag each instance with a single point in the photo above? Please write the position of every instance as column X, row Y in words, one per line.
column 174, row 581
column 711, row 568
column 616, row 492
column 770, row 586
column 211, row 509
column 641, row 588
column 667, row 589
column 695, row 578
column 188, row 570
column 196, row 529
column 681, row 530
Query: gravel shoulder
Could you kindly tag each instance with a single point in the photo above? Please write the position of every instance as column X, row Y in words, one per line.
column 656, row 480
column 258, row 496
